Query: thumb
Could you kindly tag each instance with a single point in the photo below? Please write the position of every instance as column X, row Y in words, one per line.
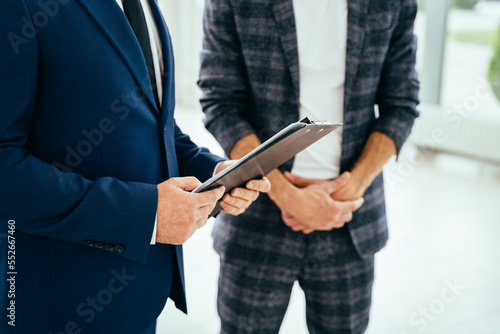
column 300, row 181
column 338, row 183
column 186, row 183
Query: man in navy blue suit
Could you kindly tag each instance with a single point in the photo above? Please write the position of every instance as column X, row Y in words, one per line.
column 94, row 172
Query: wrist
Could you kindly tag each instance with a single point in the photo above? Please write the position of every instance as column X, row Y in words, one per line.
column 282, row 191
column 360, row 181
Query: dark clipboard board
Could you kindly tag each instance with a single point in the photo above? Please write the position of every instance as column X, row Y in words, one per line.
column 270, row 155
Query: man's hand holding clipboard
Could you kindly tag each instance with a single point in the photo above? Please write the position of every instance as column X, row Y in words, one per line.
column 269, row 156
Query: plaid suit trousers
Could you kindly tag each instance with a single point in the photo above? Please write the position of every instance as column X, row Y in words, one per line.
column 259, row 267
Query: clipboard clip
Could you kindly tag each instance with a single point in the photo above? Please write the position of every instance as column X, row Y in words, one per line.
column 306, row 120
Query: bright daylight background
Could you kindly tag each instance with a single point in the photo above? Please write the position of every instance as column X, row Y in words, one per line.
column 440, row 272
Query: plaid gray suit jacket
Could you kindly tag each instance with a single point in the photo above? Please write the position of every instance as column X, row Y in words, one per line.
column 250, row 82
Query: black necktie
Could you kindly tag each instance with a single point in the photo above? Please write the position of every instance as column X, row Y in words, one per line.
column 135, row 15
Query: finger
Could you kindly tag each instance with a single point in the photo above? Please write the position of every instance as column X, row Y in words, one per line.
column 339, row 225
column 186, row 183
column 339, row 182
column 199, row 224
column 223, row 165
column 301, row 181
column 298, row 228
column 350, row 206
column 230, row 209
column 292, row 222
column 286, row 217
column 308, row 231
column 347, row 217
column 236, row 202
column 245, row 194
column 209, row 197
column 263, row 185
column 301, row 228
column 205, row 211
column 287, row 220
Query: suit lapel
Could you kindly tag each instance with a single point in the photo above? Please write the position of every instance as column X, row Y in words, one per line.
column 356, row 25
column 113, row 23
column 285, row 22
column 168, row 81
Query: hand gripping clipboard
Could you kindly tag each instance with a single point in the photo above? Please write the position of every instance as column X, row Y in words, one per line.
column 270, row 155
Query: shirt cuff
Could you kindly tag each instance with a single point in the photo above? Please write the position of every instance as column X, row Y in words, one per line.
column 153, row 238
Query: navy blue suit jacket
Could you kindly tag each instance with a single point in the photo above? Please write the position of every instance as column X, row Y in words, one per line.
column 82, row 148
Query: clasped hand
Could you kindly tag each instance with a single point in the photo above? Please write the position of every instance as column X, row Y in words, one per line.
column 180, row 213
column 315, row 206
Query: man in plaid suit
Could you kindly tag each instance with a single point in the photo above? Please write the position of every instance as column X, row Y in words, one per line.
column 265, row 63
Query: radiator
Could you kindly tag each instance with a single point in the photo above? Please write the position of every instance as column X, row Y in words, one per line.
column 459, row 132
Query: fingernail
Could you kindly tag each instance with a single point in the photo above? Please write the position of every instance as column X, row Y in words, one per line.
column 229, row 199
column 236, row 192
column 251, row 185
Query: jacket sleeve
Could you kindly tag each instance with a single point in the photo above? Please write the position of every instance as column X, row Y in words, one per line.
column 42, row 200
column 223, row 76
column 397, row 96
column 193, row 160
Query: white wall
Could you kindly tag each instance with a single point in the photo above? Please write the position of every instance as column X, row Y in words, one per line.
column 184, row 20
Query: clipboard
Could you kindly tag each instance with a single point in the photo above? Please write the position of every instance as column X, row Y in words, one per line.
column 268, row 156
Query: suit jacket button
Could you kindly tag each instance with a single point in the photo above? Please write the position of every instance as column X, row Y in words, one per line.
column 99, row 245
column 89, row 243
column 119, row 248
column 109, row 247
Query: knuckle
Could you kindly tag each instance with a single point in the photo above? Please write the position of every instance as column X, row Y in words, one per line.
column 335, row 215
column 214, row 196
column 192, row 179
column 238, row 192
column 219, row 194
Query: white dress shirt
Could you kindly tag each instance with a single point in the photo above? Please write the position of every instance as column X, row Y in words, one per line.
column 322, row 39
column 155, row 41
